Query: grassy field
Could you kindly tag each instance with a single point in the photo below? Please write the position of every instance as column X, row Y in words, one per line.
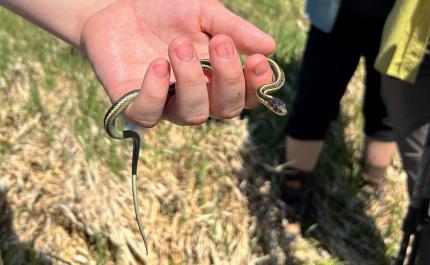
column 65, row 193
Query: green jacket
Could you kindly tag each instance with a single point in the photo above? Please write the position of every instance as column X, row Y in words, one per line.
column 405, row 38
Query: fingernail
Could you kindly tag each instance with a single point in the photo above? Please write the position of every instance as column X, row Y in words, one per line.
column 161, row 70
column 184, row 52
column 224, row 50
column 261, row 68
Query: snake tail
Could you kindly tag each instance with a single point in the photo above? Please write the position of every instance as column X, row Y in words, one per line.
column 135, row 158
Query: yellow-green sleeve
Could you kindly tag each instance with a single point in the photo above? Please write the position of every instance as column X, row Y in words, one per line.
column 405, row 38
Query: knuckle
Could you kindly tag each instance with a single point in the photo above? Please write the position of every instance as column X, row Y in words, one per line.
column 152, row 97
column 231, row 112
column 232, row 81
column 146, row 123
column 197, row 118
column 147, row 120
column 192, row 82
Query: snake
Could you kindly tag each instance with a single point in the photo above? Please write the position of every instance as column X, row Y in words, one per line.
column 274, row 104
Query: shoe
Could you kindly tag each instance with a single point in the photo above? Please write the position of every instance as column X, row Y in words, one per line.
column 373, row 181
column 294, row 192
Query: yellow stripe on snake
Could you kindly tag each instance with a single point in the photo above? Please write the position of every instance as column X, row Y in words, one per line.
column 274, row 104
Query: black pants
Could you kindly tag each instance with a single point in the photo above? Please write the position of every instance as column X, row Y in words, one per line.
column 329, row 62
column 408, row 106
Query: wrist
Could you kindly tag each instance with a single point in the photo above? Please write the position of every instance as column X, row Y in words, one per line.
column 83, row 30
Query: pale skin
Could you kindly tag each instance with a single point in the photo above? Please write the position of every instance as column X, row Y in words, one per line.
column 303, row 155
column 149, row 44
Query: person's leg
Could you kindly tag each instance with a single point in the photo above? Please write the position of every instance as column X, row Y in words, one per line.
column 377, row 157
column 302, row 154
column 409, row 109
column 379, row 143
column 329, row 61
column 424, row 248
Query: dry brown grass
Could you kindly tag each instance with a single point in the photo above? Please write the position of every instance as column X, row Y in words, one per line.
column 348, row 228
column 201, row 204
column 192, row 207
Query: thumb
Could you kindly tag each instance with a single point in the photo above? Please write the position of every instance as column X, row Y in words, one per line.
column 217, row 19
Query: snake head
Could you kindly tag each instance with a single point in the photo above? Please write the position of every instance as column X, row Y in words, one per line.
column 277, row 106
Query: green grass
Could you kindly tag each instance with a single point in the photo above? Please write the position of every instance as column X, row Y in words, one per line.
column 101, row 250
column 60, row 63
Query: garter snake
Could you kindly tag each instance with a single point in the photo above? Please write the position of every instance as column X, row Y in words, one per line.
column 274, row 104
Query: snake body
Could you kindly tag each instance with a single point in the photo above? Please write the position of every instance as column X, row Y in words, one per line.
column 274, row 104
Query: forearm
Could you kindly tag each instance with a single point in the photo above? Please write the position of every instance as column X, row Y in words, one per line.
column 63, row 18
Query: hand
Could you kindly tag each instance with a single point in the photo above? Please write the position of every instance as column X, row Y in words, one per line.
column 133, row 44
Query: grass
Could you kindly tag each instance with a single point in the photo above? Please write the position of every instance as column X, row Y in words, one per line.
column 207, row 193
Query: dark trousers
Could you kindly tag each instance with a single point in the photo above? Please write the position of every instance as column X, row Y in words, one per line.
column 329, row 62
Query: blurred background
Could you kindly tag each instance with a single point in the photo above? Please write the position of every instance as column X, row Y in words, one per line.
column 207, row 193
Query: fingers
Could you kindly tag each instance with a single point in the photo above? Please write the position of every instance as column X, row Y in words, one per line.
column 147, row 109
column 190, row 105
column 216, row 19
column 193, row 102
column 257, row 73
column 227, row 94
